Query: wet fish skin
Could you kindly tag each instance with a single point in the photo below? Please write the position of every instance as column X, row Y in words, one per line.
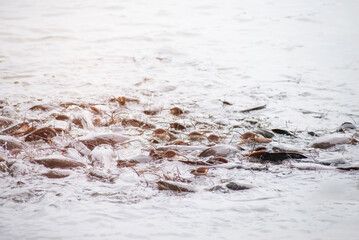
column 175, row 186
column 58, row 162
column 330, row 141
column 11, row 143
column 92, row 140
column 219, row 151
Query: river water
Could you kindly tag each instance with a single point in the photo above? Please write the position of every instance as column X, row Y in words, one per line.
column 299, row 58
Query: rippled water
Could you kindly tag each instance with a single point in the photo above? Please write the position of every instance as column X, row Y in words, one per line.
column 300, row 58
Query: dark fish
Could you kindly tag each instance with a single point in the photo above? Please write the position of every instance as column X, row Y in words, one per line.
column 195, row 163
column 330, row 141
column 201, row 171
column 58, row 162
column 42, row 107
column 275, row 156
column 94, row 139
column 44, row 133
column 348, row 167
column 213, row 138
column 196, row 136
column 11, row 143
column 132, row 122
column 217, row 160
column 61, row 117
column 176, row 111
column 4, row 121
column 151, row 112
column 56, row 174
column 227, row 103
column 19, row 129
column 219, row 151
column 346, row 126
column 235, row 186
column 254, row 109
column 283, row 132
column 175, row 186
column 264, row 133
column 177, row 126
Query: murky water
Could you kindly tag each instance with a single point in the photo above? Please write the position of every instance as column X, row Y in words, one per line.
column 299, row 58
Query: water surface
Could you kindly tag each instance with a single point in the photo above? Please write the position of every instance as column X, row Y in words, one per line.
column 300, row 58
